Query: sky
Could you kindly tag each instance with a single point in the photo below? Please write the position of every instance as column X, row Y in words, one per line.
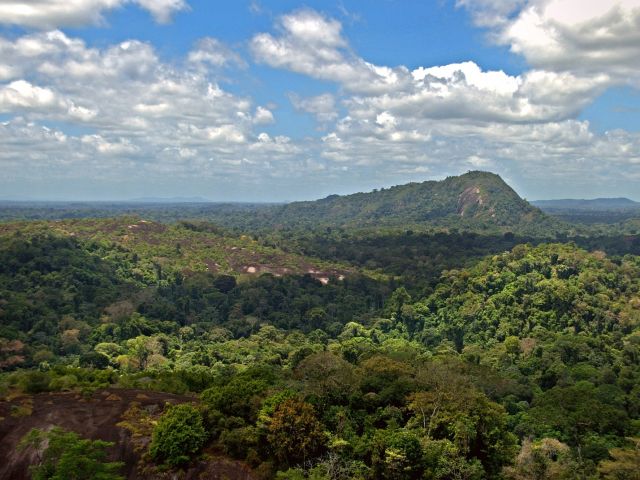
column 282, row 100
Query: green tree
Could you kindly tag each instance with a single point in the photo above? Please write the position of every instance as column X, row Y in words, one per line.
column 67, row 456
column 240, row 397
column 294, row 432
column 512, row 345
column 399, row 298
column 178, row 434
column 397, row 455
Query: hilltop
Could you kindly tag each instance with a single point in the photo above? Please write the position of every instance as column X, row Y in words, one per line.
column 473, row 201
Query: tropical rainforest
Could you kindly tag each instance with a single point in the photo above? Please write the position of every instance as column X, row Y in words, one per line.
column 437, row 330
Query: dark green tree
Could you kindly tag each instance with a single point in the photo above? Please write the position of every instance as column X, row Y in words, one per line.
column 178, row 434
column 67, row 456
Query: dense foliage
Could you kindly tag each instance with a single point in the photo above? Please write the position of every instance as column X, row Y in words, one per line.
column 65, row 455
column 63, row 296
column 178, row 435
column 378, row 353
column 527, row 291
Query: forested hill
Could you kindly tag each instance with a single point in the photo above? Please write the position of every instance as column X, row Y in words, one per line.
column 476, row 201
column 150, row 253
column 528, row 361
column 473, row 201
column 532, row 290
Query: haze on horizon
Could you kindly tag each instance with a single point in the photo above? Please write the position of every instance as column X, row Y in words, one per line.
column 274, row 101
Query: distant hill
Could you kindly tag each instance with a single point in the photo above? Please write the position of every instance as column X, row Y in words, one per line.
column 170, row 200
column 149, row 247
column 620, row 213
column 476, row 201
column 595, row 204
column 473, row 201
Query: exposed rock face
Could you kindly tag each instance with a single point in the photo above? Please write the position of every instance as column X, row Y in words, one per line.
column 96, row 417
column 470, row 197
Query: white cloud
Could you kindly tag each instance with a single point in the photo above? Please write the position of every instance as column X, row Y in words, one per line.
column 495, row 81
column 323, row 107
column 263, row 116
column 454, row 91
column 451, row 117
column 118, row 147
column 596, row 36
column 310, row 27
column 50, row 14
column 447, row 118
column 312, row 44
column 582, row 37
column 224, row 134
column 280, row 144
column 21, row 94
column 162, row 10
column 125, row 82
column 141, row 117
column 479, row 162
column 386, row 120
column 7, row 72
column 213, row 53
column 82, row 113
column 463, row 92
column 144, row 116
column 491, row 13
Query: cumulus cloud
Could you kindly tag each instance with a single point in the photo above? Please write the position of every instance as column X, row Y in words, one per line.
column 142, row 116
column 51, row 14
column 117, row 147
column 211, row 52
column 452, row 117
column 162, row 10
column 312, row 44
column 21, row 94
column 123, row 81
column 568, row 35
column 323, row 107
column 263, row 116
column 545, row 154
column 491, row 13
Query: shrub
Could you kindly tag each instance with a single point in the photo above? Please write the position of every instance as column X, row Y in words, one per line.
column 67, row 456
column 179, row 434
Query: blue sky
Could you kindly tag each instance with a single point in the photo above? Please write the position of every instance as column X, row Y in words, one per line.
column 286, row 100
